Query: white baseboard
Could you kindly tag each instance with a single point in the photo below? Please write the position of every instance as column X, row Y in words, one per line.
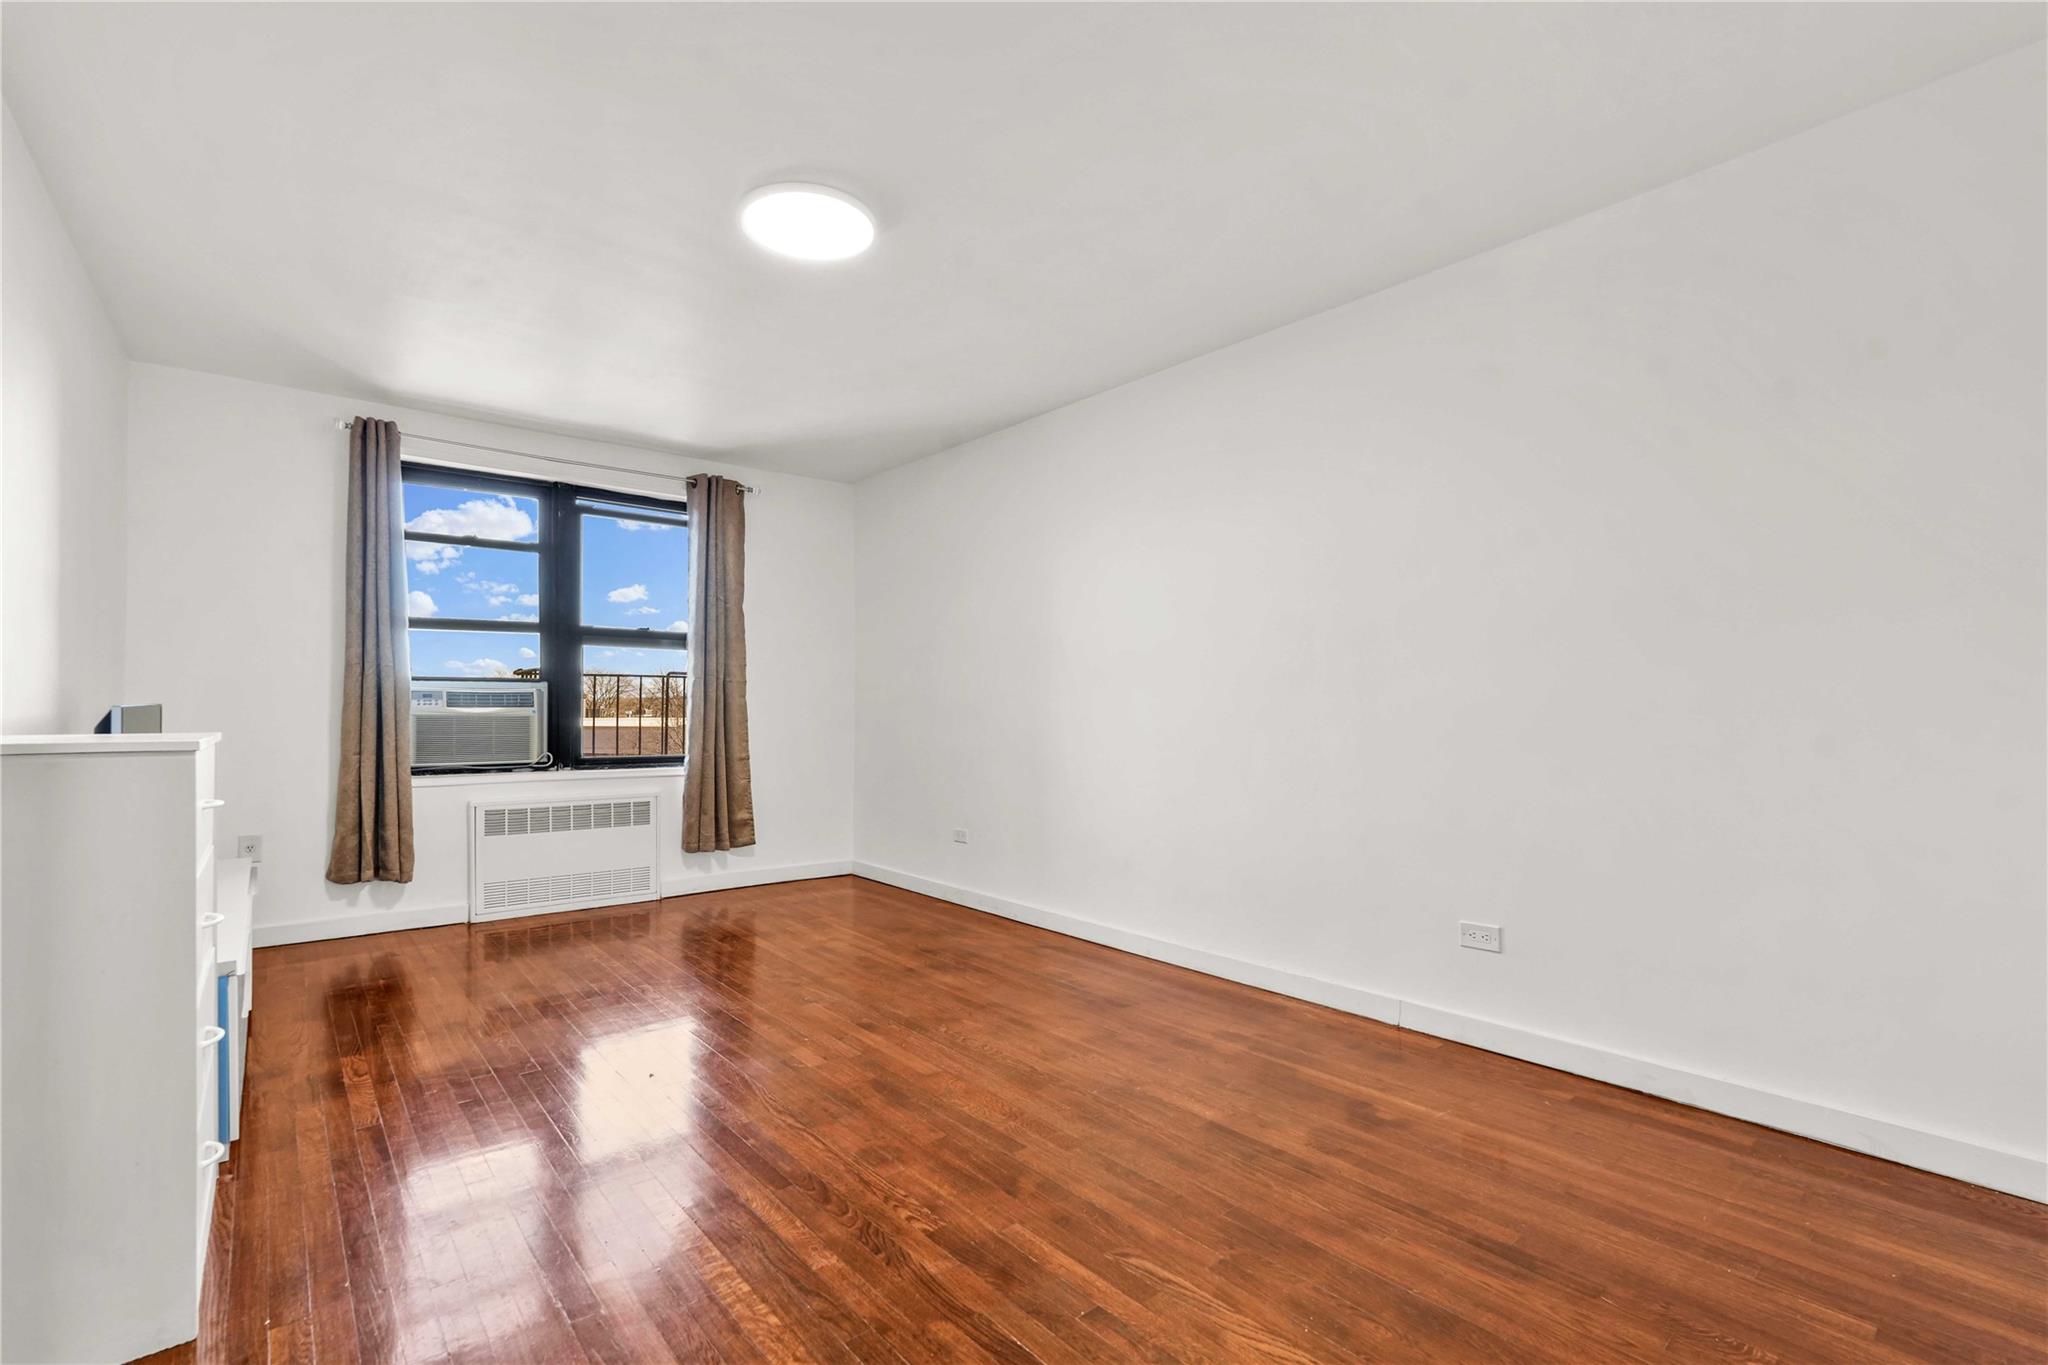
column 1350, row 999
column 1994, row 1167
column 731, row 878
column 357, row 923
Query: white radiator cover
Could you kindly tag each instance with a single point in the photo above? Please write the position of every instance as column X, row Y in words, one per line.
column 532, row 858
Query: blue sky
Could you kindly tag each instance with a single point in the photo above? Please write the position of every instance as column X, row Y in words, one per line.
column 636, row 576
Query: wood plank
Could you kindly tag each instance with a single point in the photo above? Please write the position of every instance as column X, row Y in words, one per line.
column 833, row 1120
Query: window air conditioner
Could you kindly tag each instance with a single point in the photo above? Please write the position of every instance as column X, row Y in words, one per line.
column 479, row 724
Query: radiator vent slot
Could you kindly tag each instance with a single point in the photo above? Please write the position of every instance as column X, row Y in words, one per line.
column 500, row 821
column 527, row 859
column 567, row 886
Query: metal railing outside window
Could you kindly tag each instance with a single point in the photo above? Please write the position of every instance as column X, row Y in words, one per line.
column 629, row 715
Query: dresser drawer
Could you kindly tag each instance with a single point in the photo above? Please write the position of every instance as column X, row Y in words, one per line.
column 205, row 823
column 204, row 803
column 210, row 1039
column 208, row 1151
column 205, row 920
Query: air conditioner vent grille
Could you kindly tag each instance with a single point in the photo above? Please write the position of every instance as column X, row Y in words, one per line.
column 478, row 725
column 505, row 700
column 450, row 737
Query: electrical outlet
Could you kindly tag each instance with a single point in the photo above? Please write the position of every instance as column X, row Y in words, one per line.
column 959, row 836
column 249, row 846
column 1484, row 937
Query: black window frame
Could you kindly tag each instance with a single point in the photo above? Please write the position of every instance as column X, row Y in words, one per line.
column 558, row 548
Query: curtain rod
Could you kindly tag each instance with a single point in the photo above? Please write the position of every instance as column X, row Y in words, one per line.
column 344, row 423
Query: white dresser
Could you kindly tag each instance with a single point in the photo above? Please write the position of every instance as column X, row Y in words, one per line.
column 110, row 1049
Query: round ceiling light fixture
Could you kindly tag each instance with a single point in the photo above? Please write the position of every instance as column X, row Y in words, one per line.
column 808, row 222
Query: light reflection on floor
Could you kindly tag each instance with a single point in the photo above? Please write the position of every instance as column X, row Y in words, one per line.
column 475, row 1217
column 634, row 1089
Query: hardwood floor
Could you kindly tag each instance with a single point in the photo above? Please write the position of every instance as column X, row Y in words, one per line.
column 836, row 1121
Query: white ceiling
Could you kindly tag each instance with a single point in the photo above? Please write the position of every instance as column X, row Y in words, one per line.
column 528, row 211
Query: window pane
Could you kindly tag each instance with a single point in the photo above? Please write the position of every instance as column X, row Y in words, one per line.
column 633, row 700
column 471, row 512
column 636, row 574
column 627, row 511
column 463, row 581
column 474, row 654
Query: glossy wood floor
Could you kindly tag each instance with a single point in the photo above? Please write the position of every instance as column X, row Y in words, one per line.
column 835, row 1121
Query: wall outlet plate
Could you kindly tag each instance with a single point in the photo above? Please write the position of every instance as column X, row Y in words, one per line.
column 959, row 836
column 249, row 846
column 1484, row 937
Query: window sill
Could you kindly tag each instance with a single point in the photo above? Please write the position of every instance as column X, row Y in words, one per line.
column 552, row 775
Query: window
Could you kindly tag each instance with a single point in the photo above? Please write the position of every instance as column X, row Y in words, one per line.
column 584, row 589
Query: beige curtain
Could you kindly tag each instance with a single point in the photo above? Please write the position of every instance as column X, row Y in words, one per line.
column 373, row 796
column 718, row 788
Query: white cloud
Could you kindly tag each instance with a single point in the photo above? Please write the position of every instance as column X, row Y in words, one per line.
column 418, row 603
column 519, row 616
column 497, row 593
column 430, row 558
column 632, row 592
column 645, row 611
column 477, row 668
column 497, row 518
column 526, row 653
column 625, row 525
column 679, row 625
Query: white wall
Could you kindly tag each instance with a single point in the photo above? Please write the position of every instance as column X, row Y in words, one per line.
column 1666, row 587
column 237, row 502
column 63, row 392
